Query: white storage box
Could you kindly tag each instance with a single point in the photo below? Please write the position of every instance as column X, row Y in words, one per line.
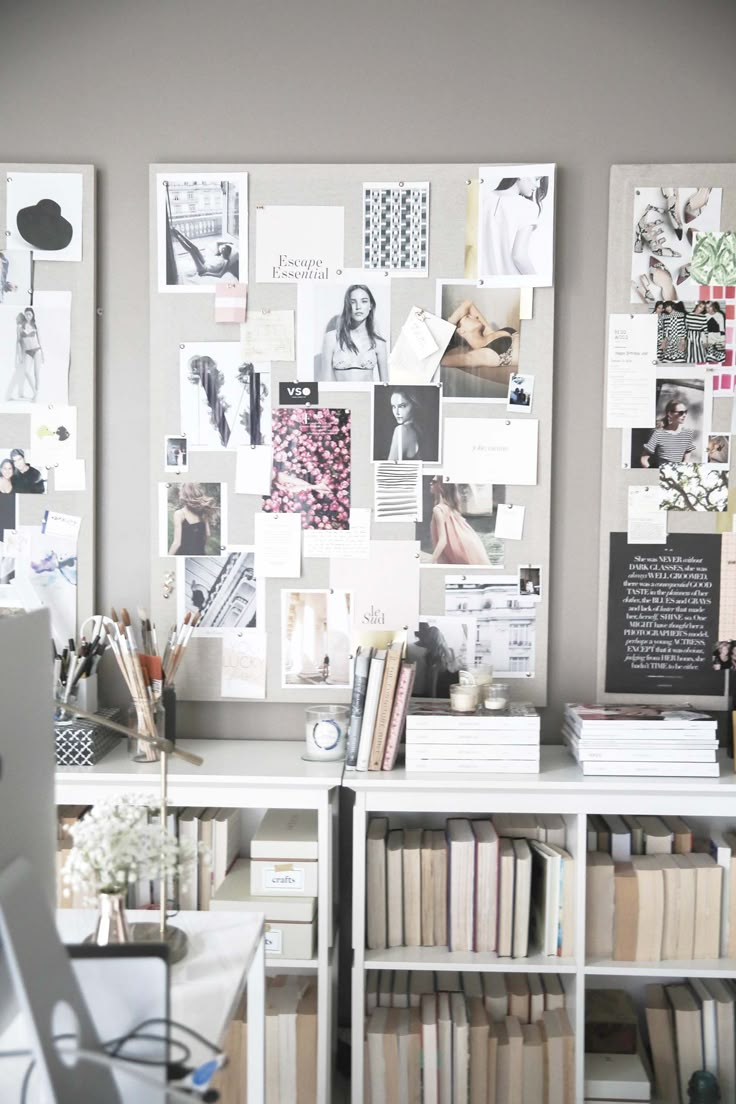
column 291, row 926
column 269, row 878
column 610, row 1077
column 286, row 834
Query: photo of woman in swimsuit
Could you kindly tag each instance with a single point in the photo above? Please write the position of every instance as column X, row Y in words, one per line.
column 344, row 329
column 483, row 352
column 353, row 352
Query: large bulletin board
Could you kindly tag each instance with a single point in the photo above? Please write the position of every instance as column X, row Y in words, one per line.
column 662, row 606
column 179, row 319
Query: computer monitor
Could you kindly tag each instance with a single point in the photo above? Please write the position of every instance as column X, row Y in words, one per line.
column 27, row 809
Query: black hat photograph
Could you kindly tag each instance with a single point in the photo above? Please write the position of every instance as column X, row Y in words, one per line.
column 43, row 226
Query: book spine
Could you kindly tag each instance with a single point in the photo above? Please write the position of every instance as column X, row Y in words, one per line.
column 398, row 715
column 360, row 685
column 385, row 708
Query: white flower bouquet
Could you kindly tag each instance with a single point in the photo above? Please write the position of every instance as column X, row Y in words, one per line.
column 120, row 841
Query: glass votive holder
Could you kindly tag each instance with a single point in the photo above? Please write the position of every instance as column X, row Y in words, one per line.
column 483, row 675
column 463, row 698
column 326, row 731
column 496, row 696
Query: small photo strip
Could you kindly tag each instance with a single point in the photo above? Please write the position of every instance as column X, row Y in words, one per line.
column 530, row 582
column 192, row 519
column 521, row 392
column 176, row 454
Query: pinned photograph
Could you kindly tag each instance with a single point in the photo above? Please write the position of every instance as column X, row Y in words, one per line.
column 16, row 286
column 419, row 347
column 295, row 244
column 45, row 577
column 311, row 466
column 666, row 222
column 458, row 524
column 225, row 401
column 530, row 582
column 506, row 621
column 53, row 435
column 192, row 519
column 244, row 665
column 406, row 423
column 7, row 498
column 677, row 435
column 693, row 487
column 223, row 590
column 691, row 332
column 718, row 448
column 44, row 213
column 344, row 329
column 315, row 639
column 396, row 227
column 484, row 350
column 201, row 239
column 176, row 454
column 397, row 492
column 521, row 393
column 441, row 647
column 35, row 344
column 16, row 468
column 714, row 258
column 516, row 225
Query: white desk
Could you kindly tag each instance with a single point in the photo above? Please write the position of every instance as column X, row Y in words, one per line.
column 226, row 953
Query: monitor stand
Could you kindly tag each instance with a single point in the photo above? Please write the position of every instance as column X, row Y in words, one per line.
column 47, row 991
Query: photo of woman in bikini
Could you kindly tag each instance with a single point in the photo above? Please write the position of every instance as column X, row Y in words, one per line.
column 484, row 350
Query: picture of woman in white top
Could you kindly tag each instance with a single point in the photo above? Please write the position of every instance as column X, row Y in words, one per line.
column 352, row 351
column 510, row 214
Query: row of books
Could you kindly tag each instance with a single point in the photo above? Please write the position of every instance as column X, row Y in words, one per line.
column 624, row 836
column 642, row 740
column 523, row 995
column 382, row 686
column 507, row 741
column 449, row 1050
column 468, row 888
column 662, row 907
column 691, row 1027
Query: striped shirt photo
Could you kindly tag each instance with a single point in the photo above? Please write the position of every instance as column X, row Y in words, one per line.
column 670, row 446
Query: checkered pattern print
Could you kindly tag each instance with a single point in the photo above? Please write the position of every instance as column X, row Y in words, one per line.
column 723, row 382
column 396, row 227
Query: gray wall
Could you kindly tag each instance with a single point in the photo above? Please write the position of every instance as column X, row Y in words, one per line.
column 580, row 82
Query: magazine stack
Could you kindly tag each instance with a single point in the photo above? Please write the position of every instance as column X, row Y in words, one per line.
column 437, row 739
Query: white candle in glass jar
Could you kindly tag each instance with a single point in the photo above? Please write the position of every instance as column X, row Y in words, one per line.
column 464, row 699
column 325, row 730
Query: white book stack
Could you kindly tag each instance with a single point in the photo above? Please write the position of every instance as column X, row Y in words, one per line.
column 642, row 740
column 502, row 742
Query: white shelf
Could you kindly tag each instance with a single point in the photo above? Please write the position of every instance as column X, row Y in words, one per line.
column 705, row 967
column 306, row 964
column 439, row 958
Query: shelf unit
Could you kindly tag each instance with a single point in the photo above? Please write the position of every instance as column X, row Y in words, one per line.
column 245, row 774
column 560, row 787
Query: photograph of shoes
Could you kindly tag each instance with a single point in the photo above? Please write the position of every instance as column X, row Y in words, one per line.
column 666, row 221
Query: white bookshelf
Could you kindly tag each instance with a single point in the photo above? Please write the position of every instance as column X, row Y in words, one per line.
column 245, row 774
column 560, row 787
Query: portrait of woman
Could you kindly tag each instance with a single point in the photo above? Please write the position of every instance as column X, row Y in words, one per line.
column 195, row 520
column 483, row 352
column 406, row 421
column 353, row 351
column 28, row 358
column 678, row 433
column 715, row 340
column 515, row 229
column 672, row 442
column 454, row 541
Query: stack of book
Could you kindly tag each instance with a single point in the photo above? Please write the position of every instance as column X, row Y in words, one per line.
column 691, row 1027
column 655, row 893
column 642, row 740
column 476, row 885
column 382, row 685
column 493, row 742
column 469, row 1039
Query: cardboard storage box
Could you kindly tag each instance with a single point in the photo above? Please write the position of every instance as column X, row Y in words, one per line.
column 291, row 922
column 286, row 834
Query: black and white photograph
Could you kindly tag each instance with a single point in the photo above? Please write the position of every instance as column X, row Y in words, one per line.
column 35, row 344
column 530, row 581
column 202, row 230
column 407, row 423
column 506, row 621
column 16, row 465
column 344, row 329
column 483, row 352
column 691, row 332
column 458, row 523
column 678, row 433
column 7, row 497
column 516, row 211
column 666, row 221
column 222, row 590
column 16, row 277
column 396, row 227
column 225, row 402
column 441, row 647
column 521, row 394
column 176, row 454
column 44, row 213
column 192, row 519
column 315, row 639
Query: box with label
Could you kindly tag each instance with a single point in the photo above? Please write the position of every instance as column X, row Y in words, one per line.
column 272, row 879
column 286, row 834
column 291, row 926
